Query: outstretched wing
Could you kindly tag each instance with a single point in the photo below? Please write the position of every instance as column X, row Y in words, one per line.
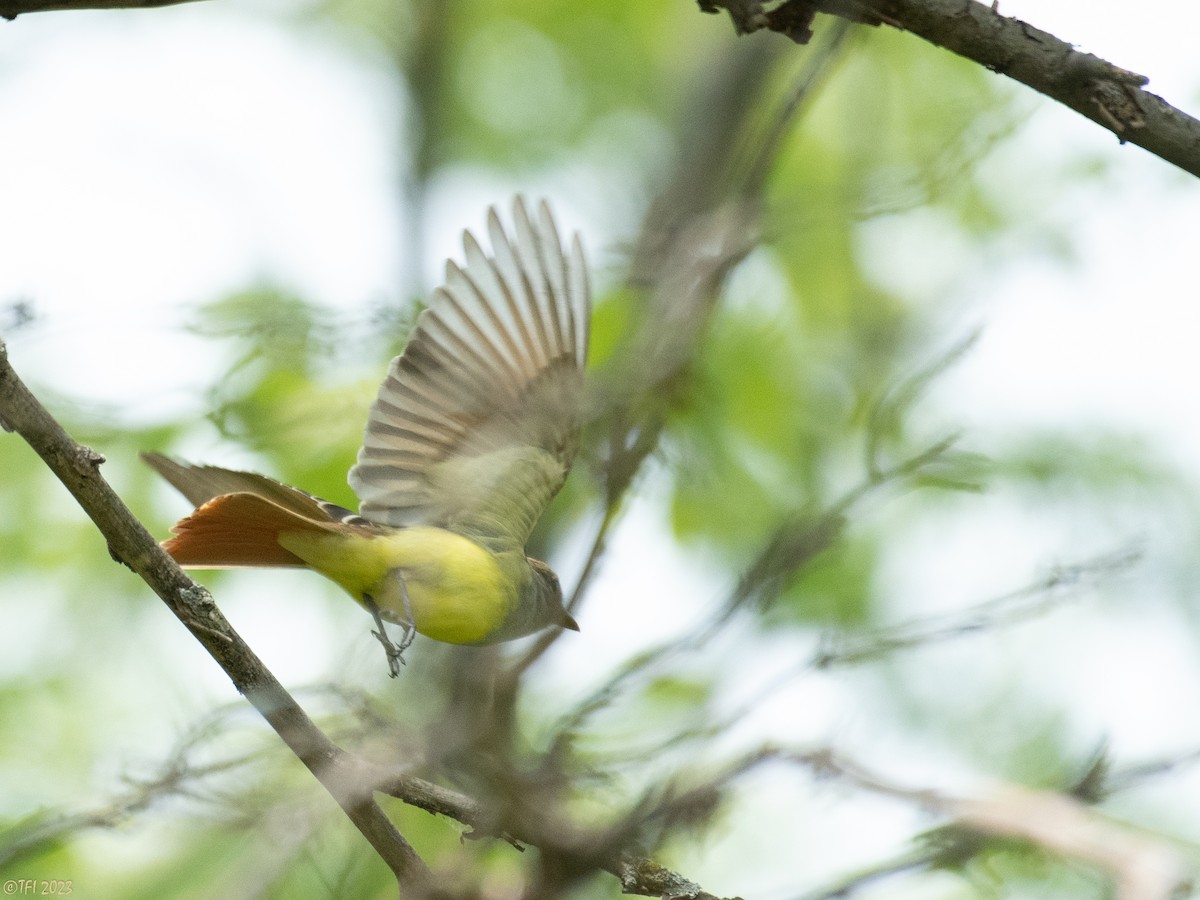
column 477, row 423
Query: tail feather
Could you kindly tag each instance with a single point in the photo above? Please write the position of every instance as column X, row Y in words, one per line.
column 236, row 530
column 203, row 483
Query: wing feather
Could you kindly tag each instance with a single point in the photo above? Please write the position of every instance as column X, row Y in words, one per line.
column 476, row 425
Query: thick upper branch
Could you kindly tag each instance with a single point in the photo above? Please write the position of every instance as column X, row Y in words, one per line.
column 1111, row 96
column 10, row 9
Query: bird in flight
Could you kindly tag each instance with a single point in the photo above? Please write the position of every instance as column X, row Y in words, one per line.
column 472, row 434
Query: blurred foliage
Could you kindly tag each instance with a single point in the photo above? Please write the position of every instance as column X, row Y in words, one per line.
column 786, row 429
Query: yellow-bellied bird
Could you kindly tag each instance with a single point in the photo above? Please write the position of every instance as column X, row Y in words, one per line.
column 472, row 433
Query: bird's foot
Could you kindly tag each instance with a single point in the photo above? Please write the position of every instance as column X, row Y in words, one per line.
column 394, row 652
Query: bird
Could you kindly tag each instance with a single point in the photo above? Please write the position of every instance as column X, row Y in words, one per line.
column 472, row 434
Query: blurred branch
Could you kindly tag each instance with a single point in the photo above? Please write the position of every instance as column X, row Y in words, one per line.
column 1102, row 778
column 1008, row 609
column 800, row 539
column 685, row 272
column 638, row 875
column 41, row 831
column 77, row 467
column 17, row 314
column 917, row 860
column 704, row 221
column 1110, row 96
column 10, row 9
column 890, row 411
column 817, row 69
column 1044, row 594
column 178, row 775
column 1141, row 867
column 794, row 543
column 654, row 363
column 1131, row 776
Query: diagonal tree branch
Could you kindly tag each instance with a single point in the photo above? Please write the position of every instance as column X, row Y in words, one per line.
column 1110, row 96
column 77, row 467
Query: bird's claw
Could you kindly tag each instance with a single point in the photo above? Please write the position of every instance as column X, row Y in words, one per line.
column 394, row 652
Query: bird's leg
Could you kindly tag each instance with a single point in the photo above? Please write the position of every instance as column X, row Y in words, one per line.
column 395, row 656
column 395, row 653
column 409, row 626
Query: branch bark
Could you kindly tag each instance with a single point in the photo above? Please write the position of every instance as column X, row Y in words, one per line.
column 77, row 467
column 638, row 875
column 10, row 9
column 1112, row 97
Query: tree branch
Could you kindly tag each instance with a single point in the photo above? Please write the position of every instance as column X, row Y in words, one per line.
column 639, row 875
column 10, row 9
column 77, row 467
column 1141, row 866
column 1110, row 96
column 1014, row 607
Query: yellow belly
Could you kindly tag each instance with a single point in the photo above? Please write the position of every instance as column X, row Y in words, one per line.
column 458, row 591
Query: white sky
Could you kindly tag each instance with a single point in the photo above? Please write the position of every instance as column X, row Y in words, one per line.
column 141, row 175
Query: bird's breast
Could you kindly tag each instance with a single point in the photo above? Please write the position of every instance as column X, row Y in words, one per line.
column 459, row 592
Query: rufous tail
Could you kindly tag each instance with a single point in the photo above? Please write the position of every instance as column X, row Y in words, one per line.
column 237, row 530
